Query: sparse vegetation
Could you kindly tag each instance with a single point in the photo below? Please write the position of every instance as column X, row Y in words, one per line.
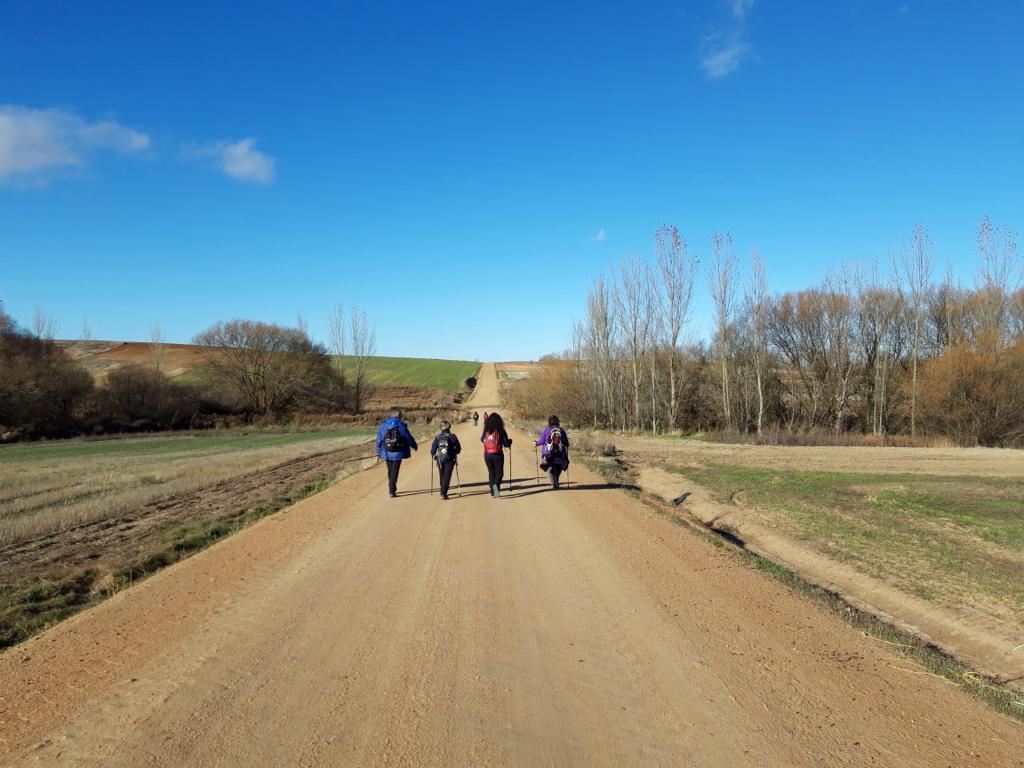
column 134, row 505
column 48, row 486
column 958, row 541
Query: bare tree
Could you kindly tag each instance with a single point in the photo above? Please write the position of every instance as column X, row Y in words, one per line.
column 677, row 270
column 364, row 344
column 44, row 326
column 917, row 257
column 599, row 343
column 997, row 278
column 338, row 339
column 7, row 324
column 86, row 329
column 721, row 282
column 157, row 347
column 839, row 322
column 267, row 368
column 631, row 310
column 756, row 305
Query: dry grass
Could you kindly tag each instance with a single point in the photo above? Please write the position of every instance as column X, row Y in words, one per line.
column 47, row 487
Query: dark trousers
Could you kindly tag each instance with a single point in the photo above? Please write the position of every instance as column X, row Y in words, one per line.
column 495, row 468
column 555, row 470
column 393, row 467
column 444, row 470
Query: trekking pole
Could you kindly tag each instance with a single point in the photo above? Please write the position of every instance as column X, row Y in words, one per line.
column 431, row 475
column 458, row 478
column 510, row 475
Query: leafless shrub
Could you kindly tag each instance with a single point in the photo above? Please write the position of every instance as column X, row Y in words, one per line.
column 267, row 368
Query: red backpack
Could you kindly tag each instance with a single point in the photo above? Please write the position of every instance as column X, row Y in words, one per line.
column 492, row 442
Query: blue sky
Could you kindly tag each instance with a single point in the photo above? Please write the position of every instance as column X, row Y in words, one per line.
column 462, row 172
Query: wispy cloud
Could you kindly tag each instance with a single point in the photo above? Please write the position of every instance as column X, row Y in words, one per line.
column 38, row 144
column 724, row 50
column 239, row 159
column 599, row 236
column 723, row 55
column 740, row 8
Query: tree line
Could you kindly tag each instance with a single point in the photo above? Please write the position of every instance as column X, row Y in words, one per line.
column 874, row 349
column 251, row 371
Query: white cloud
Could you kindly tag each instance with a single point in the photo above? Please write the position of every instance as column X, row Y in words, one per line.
column 740, row 7
column 36, row 144
column 724, row 55
column 726, row 49
column 240, row 160
column 600, row 236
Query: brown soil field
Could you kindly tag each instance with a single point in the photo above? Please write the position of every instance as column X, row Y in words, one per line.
column 568, row 628
column 102, row 357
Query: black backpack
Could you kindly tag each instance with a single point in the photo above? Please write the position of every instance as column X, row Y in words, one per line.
column 393, row 442
column 443, row 447
column 556, row 443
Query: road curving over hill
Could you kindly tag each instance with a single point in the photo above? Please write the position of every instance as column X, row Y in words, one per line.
column 567, row 629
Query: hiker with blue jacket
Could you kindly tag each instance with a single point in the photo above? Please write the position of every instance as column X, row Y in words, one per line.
column 555, row 450
column 394, row 442
column 445, row 450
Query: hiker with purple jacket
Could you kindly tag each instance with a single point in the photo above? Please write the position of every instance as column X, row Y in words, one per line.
column 554, row 442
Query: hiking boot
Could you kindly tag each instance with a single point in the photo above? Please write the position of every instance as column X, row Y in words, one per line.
column 392, row 494
column 444, row 497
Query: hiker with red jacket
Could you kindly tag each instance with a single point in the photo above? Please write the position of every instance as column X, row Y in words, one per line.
column 495, row 440
column 554, row 451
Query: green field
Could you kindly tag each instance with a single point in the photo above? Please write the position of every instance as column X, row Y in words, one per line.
column 952, row 540
column 415, row 372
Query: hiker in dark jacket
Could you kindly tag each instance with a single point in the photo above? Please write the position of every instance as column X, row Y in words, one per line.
column 476, row 418
column 495, row 439
column 445, row 451
column 393, row 444
column 555, row 450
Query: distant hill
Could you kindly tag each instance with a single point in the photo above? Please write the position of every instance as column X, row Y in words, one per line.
column 180, row 361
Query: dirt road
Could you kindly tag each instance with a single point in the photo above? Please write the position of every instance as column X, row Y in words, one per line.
column 564, row 629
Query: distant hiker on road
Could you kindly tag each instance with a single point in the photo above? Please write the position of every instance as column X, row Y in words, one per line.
column 393, row 443
column 445, row 451
column 554, row 451
column 476, row 418
column 495, row 439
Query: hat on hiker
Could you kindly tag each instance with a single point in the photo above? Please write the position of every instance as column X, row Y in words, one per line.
column 446, row 426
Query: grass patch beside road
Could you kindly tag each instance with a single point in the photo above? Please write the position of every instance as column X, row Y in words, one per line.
column 953, row 540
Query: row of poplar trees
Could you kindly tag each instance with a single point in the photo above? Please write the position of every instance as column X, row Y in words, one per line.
column 874, row 349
